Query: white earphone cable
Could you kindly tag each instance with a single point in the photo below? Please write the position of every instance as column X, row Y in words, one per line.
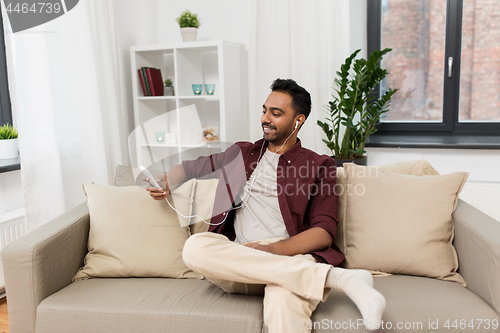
column 226, row 214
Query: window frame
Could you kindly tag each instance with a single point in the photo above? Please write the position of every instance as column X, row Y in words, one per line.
column 5, row 105
column 450, row 124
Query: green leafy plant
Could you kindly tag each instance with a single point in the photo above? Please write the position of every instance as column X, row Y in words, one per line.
column 188, row 20
column 355, row 105
column 7, row 132
column 168, row 83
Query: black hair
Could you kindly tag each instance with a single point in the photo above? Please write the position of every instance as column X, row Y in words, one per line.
column 301, row 99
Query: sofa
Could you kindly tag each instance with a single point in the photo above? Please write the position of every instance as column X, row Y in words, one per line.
column 42, row 298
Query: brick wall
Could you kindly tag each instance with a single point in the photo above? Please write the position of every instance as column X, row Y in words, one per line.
column 415, row 30
column 480, row 86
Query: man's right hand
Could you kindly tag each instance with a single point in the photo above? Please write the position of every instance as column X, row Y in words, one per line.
column 158, row 193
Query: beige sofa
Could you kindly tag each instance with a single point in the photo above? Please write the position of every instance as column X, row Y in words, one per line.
column 40, row 266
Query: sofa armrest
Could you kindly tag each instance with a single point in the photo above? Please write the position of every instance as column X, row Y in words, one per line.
column 42, row 262
column 477, row 240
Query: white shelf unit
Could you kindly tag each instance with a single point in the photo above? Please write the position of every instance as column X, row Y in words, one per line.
column 218, row 62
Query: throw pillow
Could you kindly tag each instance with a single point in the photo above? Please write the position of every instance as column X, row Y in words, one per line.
column 402, row 224
column 124, row 176
column 202, row 201
column 413, row 167
column 132, row 235
column 203, row 204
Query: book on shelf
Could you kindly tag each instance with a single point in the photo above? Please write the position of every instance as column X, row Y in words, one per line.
column 151, row 81
column 143, row 84
column 146, row 83
column 155, row 81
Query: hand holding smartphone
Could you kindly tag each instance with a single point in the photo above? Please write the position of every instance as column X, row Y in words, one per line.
column 159, row 189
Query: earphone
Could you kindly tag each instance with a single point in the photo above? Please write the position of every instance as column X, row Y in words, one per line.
column 226, row 214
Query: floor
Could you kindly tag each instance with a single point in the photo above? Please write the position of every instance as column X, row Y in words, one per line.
column 4, row 316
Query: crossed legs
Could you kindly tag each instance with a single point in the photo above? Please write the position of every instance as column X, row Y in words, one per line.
column 294, row 286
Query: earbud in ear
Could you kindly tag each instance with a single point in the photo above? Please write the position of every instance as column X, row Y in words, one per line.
column 296, row 124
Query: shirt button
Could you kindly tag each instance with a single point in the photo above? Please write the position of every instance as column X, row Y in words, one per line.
column 289, row 162
column 223, row 214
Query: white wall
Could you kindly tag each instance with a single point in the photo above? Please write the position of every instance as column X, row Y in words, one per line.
column 153, row 21
column 230, row 20
column 136, row 25
column 357, row 26
column 481, row 164
column 220, row 19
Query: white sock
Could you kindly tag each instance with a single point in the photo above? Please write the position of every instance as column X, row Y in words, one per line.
column 358, row 286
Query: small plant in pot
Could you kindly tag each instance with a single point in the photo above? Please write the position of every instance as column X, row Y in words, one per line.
column 189, row 23
column 8, row 142
column 169, row 87
column 356, row 107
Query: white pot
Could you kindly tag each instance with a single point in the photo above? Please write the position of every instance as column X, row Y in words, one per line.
column 168, row 91
column 8, row 149
column 189, row 34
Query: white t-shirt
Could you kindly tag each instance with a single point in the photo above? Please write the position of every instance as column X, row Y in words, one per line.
column 260, row 217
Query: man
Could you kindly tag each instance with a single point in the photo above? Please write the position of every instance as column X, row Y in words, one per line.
column 279, row 240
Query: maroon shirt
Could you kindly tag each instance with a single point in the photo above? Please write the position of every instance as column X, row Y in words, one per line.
column 306, row 195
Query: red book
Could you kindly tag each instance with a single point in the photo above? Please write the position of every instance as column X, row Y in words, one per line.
column 141, row 78
column 155, row 81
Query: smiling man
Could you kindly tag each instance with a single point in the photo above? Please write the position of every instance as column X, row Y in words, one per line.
column 279, row 241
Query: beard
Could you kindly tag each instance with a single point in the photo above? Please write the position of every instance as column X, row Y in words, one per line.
column 277, row 136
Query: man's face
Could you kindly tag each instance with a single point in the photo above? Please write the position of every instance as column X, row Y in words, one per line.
column 278, row 117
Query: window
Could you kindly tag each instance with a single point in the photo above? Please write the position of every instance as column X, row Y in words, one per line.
column 445, row 61
column 5, row 109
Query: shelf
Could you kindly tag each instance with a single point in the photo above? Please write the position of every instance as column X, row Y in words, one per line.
column 203, row 145
column 438, row 141
column 159, row 145
column 197, row 46
column 194, row 145
column 12, row 164
column 152, row 98
column 214, row 97
column 214, row 62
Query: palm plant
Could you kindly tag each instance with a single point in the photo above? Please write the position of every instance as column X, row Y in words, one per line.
column 168, row 83
column 355, row 105
column 188, row 20
column 7, row 132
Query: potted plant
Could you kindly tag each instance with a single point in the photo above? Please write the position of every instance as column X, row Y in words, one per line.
column 189, row 24
column 356, row 107
column 8, row 142
column 169, row 87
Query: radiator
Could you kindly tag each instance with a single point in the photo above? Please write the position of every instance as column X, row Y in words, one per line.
column 484, row 195
column 12, row 227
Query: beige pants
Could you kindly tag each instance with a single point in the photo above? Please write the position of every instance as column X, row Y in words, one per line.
column 292, row 286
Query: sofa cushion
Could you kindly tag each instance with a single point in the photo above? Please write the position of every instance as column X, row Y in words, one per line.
column 132, row 235
column 401, row 223
column 173, row 305
column 410, row 300
column 202, row 200
column 412, row 167
column 148, row 305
